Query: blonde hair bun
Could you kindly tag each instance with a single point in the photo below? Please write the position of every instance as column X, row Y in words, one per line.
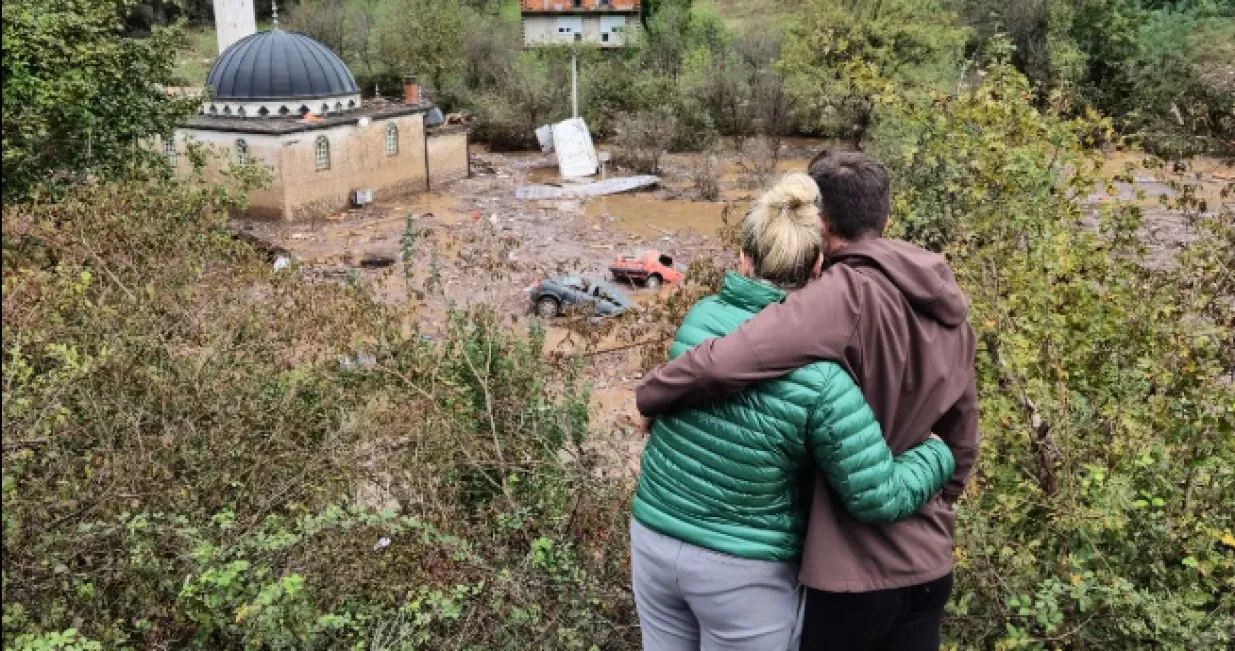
column 794, row 191
column 781, row 234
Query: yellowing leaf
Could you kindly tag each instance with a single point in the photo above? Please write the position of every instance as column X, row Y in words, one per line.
column 1228, row 539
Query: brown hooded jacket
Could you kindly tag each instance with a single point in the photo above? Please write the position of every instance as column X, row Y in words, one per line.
column 894, row 317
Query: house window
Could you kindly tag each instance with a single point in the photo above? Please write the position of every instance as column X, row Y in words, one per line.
column 321, row 153
column 169, row 150
column 242, row 152
column 570, row 25
column 392, row 140
column 578, row 4
column 604, row 38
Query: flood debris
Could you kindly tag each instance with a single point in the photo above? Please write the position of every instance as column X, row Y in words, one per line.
column 378, row 259
column 572, row 142
column 358, row 362
column 269, row 250
column 648, row 267
column 584, row 190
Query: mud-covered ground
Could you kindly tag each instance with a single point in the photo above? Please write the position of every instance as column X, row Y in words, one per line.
column 474, row 243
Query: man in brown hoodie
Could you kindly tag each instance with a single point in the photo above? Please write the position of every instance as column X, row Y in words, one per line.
column 893, row 316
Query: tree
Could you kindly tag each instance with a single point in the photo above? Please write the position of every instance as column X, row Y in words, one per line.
column 324, row 20
column 842, row 54
column 424, row 37
column 78, row 97
column 1145, row 62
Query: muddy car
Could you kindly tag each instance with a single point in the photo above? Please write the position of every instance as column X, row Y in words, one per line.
column 555, row 296
column 651, row 268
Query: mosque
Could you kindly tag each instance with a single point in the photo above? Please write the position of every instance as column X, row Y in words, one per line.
column 285, row 100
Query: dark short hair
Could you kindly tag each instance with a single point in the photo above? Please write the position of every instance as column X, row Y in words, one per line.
column 854, row 193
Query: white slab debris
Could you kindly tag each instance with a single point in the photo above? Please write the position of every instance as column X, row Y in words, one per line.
column 544, row 136
column 583, row 190
column 573, row 143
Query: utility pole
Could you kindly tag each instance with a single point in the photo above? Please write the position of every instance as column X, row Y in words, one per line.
column 574, row 82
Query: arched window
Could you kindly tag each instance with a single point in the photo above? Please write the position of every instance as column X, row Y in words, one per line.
column 242, row 152
column 392, row 140
column 321, row 153
column 169, row 149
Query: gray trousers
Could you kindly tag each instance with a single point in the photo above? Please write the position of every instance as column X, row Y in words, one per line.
column 690, row 598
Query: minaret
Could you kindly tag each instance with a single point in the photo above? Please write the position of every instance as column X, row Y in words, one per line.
column 233, row 20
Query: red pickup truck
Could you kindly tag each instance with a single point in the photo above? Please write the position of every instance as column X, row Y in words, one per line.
column 648, row 267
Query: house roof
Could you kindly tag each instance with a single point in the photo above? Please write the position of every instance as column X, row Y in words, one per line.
column 571, row 7
column 283, row 125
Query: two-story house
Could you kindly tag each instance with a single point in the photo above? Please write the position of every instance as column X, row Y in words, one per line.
column 607, row 23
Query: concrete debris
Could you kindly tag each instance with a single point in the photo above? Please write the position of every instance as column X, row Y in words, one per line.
column 581, row 191
column 575, row 154
column 571, row 140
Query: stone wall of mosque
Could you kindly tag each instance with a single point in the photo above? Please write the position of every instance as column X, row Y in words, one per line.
column 447, row 155
column 222, row 149
column 314, row 172
column 321, row 168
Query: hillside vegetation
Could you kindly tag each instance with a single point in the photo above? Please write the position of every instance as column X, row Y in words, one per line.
column 1164, row 71
column 201, row 452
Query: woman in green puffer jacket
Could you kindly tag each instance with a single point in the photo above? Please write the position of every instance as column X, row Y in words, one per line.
column 718, row 517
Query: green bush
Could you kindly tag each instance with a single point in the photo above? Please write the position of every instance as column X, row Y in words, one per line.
column 1101, row 514
column 71, row 108
column 189, row 463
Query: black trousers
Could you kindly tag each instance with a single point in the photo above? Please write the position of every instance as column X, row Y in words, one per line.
column 901, row 619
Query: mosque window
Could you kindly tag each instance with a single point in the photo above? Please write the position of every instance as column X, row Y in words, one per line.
column 169, row 150
column 392, row 140
column 321, row 153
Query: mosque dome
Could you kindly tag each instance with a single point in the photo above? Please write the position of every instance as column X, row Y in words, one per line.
column 279, row 73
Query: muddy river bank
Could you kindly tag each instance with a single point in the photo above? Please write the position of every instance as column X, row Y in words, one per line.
column 473, row 243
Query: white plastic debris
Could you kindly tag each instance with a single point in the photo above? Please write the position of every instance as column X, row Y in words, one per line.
column 544, row 136
column 282, row 262
column 360, row 361
column 382, row 543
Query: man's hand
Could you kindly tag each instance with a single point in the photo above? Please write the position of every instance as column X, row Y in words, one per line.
column 645, row 426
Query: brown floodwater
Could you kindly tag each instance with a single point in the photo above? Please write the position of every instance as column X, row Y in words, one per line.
column 646, row 216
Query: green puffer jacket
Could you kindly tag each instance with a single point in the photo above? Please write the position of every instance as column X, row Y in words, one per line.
column 727, row 476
